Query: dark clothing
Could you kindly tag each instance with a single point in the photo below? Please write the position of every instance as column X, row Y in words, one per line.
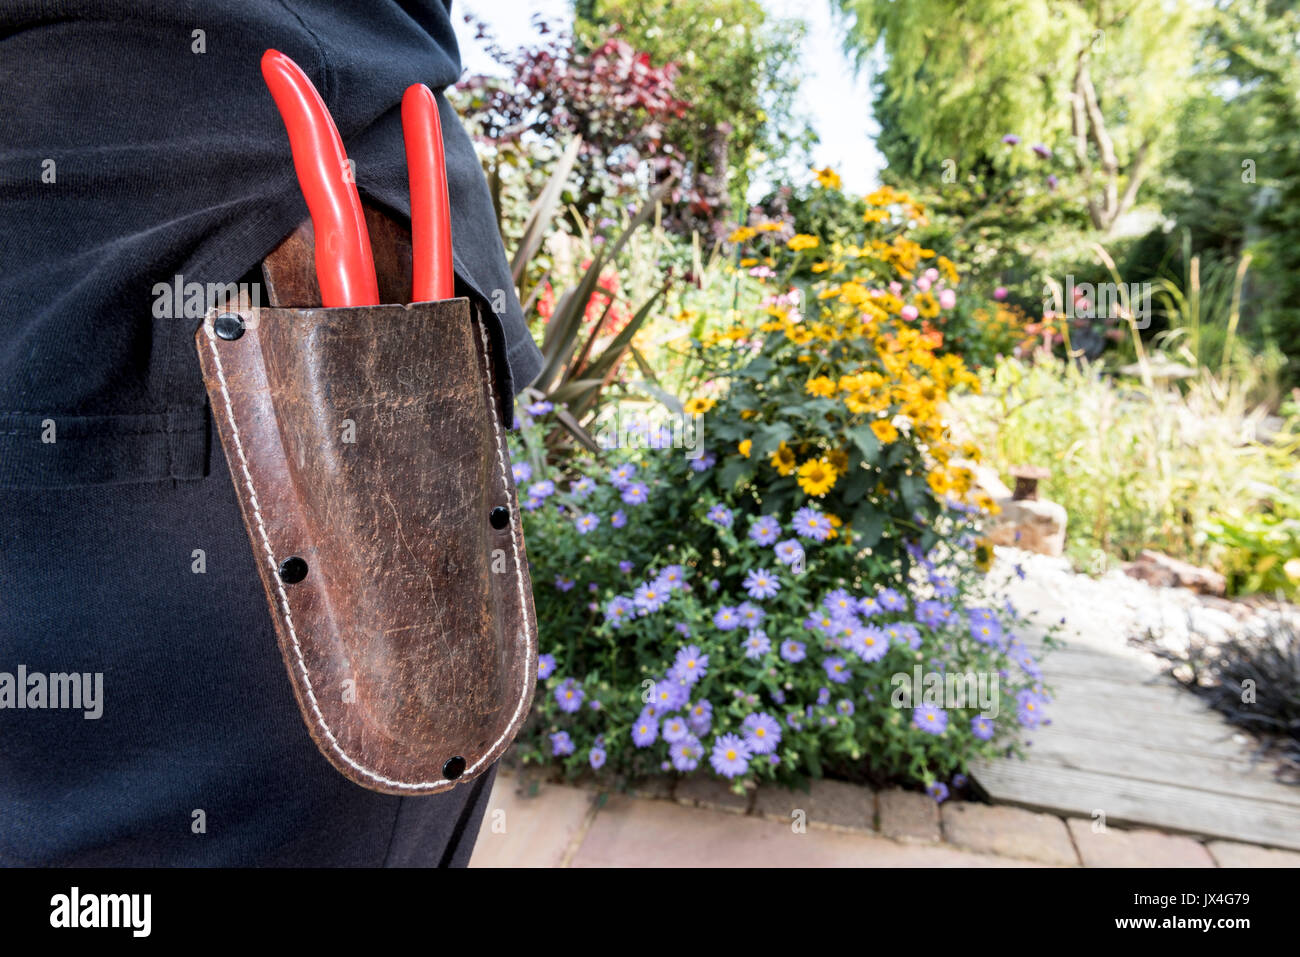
column 128, row 157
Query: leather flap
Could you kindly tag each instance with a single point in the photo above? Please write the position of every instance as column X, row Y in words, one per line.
column 369, row 456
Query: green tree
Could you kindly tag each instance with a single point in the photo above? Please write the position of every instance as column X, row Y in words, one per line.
column 1101, row 80
column 737, row 69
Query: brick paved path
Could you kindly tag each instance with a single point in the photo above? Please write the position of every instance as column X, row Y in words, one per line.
column 700, row 823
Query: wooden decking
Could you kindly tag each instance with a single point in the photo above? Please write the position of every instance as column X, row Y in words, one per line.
column 1127, row 742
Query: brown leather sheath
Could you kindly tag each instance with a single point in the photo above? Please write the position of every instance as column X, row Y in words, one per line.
column 368, row 451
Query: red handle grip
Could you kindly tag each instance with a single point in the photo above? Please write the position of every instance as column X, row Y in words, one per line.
column 345, row 266
column 432, row 276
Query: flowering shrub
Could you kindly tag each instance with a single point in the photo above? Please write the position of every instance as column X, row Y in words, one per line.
column 681, row 633
column 803, row 594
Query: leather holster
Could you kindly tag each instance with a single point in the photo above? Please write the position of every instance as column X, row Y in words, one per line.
column 368, row 451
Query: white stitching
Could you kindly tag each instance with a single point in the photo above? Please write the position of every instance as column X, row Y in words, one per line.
column 284, row 598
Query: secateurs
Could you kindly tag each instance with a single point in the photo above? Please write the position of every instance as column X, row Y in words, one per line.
column 345, row 267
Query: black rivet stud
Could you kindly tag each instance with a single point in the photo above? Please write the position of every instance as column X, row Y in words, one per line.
column 293, row 570
column 454, row 768
column 500, row 517
column 228, row 326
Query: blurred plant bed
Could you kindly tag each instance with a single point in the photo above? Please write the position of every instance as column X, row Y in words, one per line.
column 1251, row 676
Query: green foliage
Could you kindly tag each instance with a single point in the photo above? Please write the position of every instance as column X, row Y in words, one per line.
column 1136, row 465
column 737, row 67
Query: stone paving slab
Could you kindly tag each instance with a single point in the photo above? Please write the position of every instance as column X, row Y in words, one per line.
column 1114, row 847
column 1009, row 831
column 909, row 816
column 713, row 793
column 521, row 831
column 627, row 832
column 826, row 804
column 1232, row 854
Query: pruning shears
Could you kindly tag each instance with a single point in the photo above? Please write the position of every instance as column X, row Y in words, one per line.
column 345, row 266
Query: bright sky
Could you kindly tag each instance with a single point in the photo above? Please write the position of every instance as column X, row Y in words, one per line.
column 838, row 102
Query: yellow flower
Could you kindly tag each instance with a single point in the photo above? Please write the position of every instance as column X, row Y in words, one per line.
column 747, row 414
column 875, row 216
column 799, row 335
column 783, row 459
column 769, row 227
column 803, row 241
column 821, row 267
column 745, row 446
column 983, row 554
column 699, row 406
column 827, row 178
column 820, row 386
column 741, row 234
column 885, row 430
column 751, row 261
column 817, row 477
column 938, row 483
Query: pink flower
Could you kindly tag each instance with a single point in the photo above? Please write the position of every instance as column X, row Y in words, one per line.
column 932, row 274
column 1000, row 293
column 909, row 313
column 923, row 284
column 947, row 299
column 896, row 288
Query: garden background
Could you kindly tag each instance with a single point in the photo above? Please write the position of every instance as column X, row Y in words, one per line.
column 765, row 469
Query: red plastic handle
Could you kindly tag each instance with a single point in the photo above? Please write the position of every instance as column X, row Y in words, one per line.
column 345, row 266
column 432, row 276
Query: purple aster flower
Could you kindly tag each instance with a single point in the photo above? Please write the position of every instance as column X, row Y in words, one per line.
column 650, row 597
column 619, row 610
column 1029, row 708
column 891, row 600
column 671, row 577
column 726, row 619
column 561, row 743
column 840, row 602
column 823, row 698
column 939, row 791
column 751, row 616
column 689, row 665
column 869, row 606
column 720, row 515
column 539, row 408
column 675, row 729
column 760, row 584
column 1042, row 150
column 837, row 670
column 683, row 629
column 762, row 733
column 686, row 753
column 822, row 620
column 981, row 727
column 541, row 490
column 532, row 504
column 810, row 523
column 618, row 519
column 730, row 756
column 1011, row 139
column 596, row 757
column 569, row 696
column 704, row 462
column 585, row 523
column 778, row 696
column 635, row 493
column 626, row 567
column 932, row 614
column 1052, row 182
column 563, row 584
column 582, row 488
column 700, row 716
column 793, row 651
column 930, row 719
column 985, row 629
column 789, row 552
column 845, row 707
column 669, row 695
column 764, row 530
column 621, row 476
column 644, row 731
column 545, row 666
column 870, row 643
column 522, row 472
column 959, row 780
column 757, row 644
